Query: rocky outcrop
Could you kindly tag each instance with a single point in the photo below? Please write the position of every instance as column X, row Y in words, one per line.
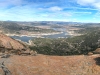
column 5, row 69
column 90, row 53
column 11, row 46
column 53, row 65
column 9, row 43
column 97, row 51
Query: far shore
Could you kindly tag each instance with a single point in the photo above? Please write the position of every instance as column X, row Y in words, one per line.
column 35, row 35
column 72, row 33
column 40, row 35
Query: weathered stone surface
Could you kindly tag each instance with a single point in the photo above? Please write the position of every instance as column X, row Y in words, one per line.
column 9, row 43
column 5, row 69
column 1, row 72
column 97, row 51
column 90, row 53
column 53, row 65
column 33, row 53
column 5, row 56
column 11, row 46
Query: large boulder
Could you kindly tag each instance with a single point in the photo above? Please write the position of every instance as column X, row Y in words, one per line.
column 9, row 43
column 97, row 51
column 11, row 46
column 90, row 53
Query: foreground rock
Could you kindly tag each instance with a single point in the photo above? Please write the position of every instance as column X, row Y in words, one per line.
column 11, row 46
column 53, row 65
column 9, row 43
column 97, row 51
column 5, row 69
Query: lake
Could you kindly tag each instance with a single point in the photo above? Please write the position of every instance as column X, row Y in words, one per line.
column 60, row 35
column 26, row 38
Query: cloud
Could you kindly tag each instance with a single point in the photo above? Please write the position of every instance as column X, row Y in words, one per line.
column 29, row 13
column 82, row 13
column 87, row 8
column 18, row 13
column 55, row 8
column 93, row 3
column 85, row 2
column 97, row 5
column 97, row 15
column 36, row 10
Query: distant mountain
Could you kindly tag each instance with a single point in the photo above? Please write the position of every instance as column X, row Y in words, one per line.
column 21, row 28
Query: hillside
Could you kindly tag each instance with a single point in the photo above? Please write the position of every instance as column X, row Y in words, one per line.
column 9, row 27
column 52, row 65
column 9, row 46
column 88, row 42
column 9, row 43
column 18, row 59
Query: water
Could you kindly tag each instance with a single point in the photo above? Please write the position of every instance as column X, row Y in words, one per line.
column 23, row 38
column 61, row 35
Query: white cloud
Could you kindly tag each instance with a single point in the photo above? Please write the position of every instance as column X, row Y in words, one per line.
column 94, row 3
column 55, row 8
column 97, row 5
column 85, row 2
column 66, row 14
column 97, row 15
column 82, row 12
column 17, row 13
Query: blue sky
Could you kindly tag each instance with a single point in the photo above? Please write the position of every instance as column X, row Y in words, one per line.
column 50, row 10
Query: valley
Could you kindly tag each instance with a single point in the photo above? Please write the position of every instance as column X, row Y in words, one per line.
column 53, row 49
column 23, row 30
column 49, row 37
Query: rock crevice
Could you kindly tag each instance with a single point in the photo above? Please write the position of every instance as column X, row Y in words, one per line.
column 5, row 69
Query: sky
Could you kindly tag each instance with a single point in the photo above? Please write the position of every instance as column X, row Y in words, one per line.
column 50, row 10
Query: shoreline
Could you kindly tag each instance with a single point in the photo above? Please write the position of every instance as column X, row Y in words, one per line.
column 72, row 33
column 29, row 42
column 34, row 35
